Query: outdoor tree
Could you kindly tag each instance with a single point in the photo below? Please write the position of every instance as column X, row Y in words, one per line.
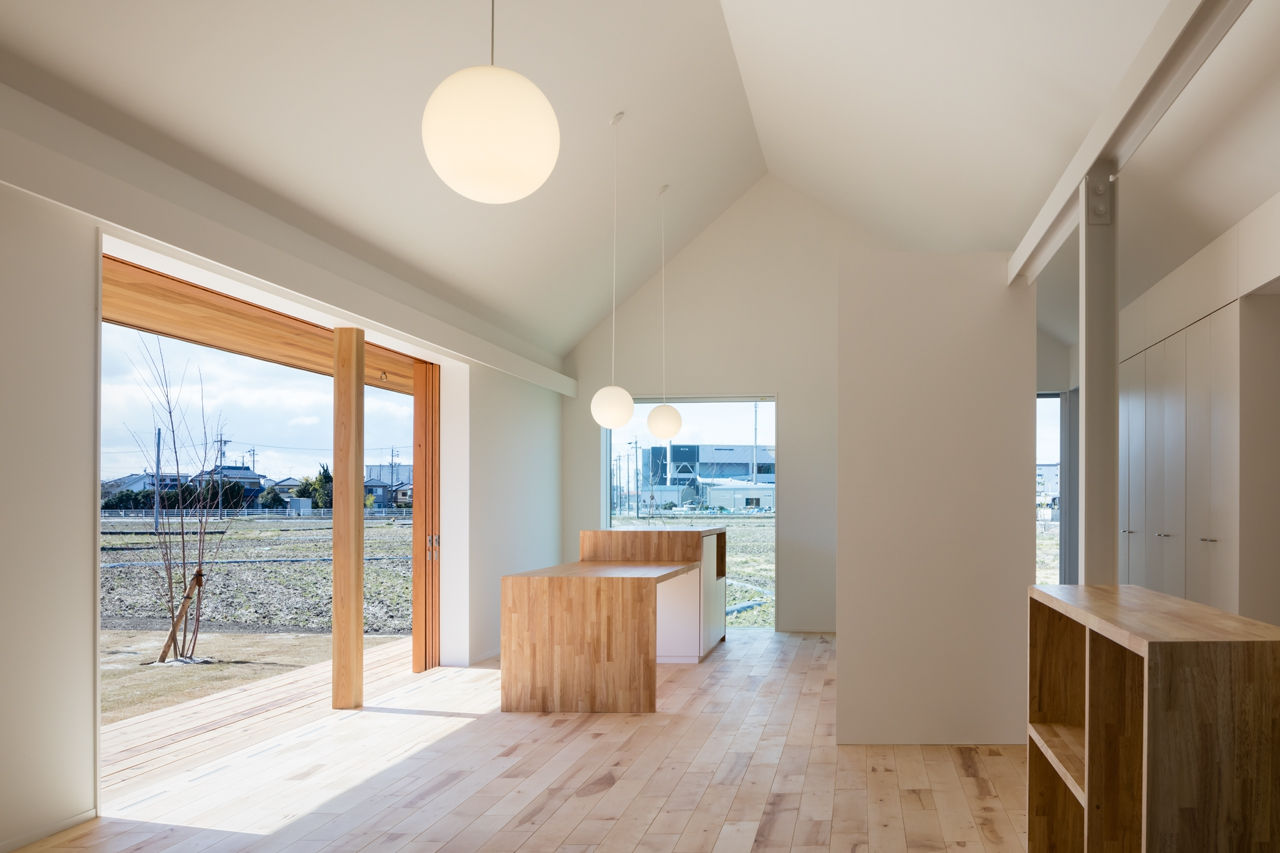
column 185, row 532
column 271, row 499
column 319, row 488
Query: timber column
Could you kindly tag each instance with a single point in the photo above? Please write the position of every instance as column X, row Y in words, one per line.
column 348, row 518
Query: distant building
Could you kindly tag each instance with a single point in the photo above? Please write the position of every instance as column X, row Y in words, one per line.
column 690, row 462
column 739, row 495
column 402, row 493
column 285, row 487
column 389, row 474
column 1047, row 484
column 141, row 483
column 380, row 490
column 225, row 474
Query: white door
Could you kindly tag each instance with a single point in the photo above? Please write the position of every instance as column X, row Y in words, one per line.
column 1132, row 502
column 1148, row 572
column 1213, row 381
column 1166, row 430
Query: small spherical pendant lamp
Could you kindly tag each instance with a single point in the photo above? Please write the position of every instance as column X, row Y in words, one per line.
column 664, row 420
column 612, row 406
column 490, row 133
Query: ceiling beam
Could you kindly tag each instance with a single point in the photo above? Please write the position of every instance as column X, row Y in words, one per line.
column 1183, row 38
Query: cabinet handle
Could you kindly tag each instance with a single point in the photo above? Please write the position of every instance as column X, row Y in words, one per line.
column 1165, row 535
column 1126, row 531
column 1203, row 539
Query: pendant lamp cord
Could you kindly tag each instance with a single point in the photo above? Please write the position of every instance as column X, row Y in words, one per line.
column 613, row 354
column 491, row 27
column 662, row 239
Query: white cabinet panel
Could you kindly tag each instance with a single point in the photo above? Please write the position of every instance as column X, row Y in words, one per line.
column 1212, row 484
column 1165, row 430
column 1132, row 473
column 713, row 595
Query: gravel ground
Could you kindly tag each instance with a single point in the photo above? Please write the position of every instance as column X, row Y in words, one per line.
column 259, row 596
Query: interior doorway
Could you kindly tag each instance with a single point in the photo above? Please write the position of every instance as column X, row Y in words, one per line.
column 719, row 470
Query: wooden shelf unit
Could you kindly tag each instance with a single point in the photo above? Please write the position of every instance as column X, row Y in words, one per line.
column 1153, row 723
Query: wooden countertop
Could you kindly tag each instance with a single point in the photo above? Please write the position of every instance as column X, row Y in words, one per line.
column 612, row 569
column 1134, row 616
column 661, row 529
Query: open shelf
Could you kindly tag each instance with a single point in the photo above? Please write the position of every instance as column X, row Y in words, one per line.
column 1063, row 747
column 1057, row 668
column 1153, row 724
column 1055, row 815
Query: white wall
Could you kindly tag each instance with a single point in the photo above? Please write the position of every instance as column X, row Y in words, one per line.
column 515, row 492
column 937, row 426
column 761, row 278
column 918, row 373
column 48, row 577
column 1053, row 364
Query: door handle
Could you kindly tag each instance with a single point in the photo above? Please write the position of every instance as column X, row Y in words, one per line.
column 1203, row 539
column 1126, row 531
column 1165, row 535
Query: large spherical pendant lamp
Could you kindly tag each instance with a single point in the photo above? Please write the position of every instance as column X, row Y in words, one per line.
column 490, row 134
column 665, row 422
column 612, row 407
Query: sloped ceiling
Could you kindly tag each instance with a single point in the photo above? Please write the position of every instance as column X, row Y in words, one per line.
column 312, row 111
column 944, row 124
column 939, row 125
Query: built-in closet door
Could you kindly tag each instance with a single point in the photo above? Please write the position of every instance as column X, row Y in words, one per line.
column 1132, row 470
column 1213, row 458
column 1165, row 430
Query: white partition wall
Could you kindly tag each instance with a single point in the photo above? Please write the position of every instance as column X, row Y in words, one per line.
column 48, row 577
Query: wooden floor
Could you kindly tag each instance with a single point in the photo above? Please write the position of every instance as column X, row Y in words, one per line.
column 740, row 756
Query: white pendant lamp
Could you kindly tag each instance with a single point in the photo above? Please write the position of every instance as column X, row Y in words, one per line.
column 664, row 420
column 490, row 133
column 612, row 406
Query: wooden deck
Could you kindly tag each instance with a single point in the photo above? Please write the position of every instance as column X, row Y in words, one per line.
column 143, row 750
column 740, row 756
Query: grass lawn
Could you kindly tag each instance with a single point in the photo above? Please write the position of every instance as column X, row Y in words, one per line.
column 129, row 688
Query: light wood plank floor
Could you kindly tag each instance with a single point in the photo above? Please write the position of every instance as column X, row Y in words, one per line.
column 740, row 756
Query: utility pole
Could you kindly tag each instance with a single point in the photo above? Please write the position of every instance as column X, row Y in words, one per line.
column 155, row 484
column 635, row 452
column 222, row 455
column 393, row 465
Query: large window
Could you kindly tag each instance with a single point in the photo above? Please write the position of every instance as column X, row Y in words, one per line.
column 1048, row 488
column 719, row 470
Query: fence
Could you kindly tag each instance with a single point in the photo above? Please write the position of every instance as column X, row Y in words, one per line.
column 253, row 512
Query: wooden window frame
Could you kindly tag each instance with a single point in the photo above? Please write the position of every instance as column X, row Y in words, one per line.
column 150, row 301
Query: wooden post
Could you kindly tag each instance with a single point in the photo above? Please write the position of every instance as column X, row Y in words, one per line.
column 348, row 518
column 426, row 516
column 1099, row 383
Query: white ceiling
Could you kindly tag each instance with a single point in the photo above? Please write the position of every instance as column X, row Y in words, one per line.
column 312, row 111
column 938, row 124
column 1214, row 157
column 943, row 124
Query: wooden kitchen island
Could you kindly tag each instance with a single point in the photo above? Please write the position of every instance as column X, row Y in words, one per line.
column 587, row 636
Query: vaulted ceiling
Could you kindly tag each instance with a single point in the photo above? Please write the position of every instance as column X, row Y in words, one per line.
column 935, row 124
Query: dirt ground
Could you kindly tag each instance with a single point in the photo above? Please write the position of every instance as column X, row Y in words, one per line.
column 130, row 688
column 751, row 558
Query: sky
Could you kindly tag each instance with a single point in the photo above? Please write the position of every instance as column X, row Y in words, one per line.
column 1048, row 427
column 285, row 414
